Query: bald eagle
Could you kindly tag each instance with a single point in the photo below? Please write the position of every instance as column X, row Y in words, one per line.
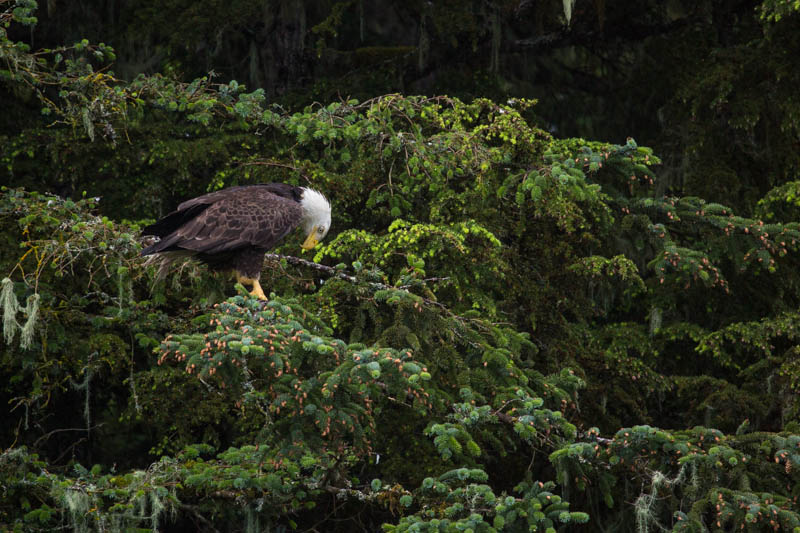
column 230, row 229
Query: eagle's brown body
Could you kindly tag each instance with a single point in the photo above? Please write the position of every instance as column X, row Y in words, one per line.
column 231, row 229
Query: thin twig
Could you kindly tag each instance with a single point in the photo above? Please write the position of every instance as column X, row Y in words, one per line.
column 51, row 433
column 70, row 447
column 274, row 164
column 199, row 517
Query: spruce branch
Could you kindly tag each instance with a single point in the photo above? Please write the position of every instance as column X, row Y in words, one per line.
column 339, row 274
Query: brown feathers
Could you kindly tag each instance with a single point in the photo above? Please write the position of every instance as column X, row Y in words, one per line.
column 229, row 229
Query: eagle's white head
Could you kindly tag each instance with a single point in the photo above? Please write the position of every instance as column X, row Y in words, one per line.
column 316, row 217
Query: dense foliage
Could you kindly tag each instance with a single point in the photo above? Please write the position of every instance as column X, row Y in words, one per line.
column 505, row 330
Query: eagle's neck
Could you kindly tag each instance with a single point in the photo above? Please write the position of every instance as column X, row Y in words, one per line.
column 316, row 209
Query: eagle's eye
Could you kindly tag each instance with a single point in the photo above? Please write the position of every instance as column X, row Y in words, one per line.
column 321, row 230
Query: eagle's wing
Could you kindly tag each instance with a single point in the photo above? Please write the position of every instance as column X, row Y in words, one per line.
column 247, row 216
column 242, row 191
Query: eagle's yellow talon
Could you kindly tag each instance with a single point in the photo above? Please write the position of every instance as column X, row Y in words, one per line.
column 257, row 291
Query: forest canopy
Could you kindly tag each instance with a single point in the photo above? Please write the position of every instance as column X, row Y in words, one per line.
column 560, row 291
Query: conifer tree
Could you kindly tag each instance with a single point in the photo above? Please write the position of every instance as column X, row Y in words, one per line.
column 507, row 331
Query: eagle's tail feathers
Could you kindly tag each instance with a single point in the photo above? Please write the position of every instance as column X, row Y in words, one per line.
column 164, row 261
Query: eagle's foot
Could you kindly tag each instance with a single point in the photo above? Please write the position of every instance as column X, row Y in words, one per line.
column 257, row 291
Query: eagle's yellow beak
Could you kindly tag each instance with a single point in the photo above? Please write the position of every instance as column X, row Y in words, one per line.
column 311, row 240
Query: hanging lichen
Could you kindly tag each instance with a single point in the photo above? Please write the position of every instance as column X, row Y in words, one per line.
column 423, row 47
column 655, row 320
column 568, row 5
column 85, row 386
column 10, row 305
column 77, row 504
